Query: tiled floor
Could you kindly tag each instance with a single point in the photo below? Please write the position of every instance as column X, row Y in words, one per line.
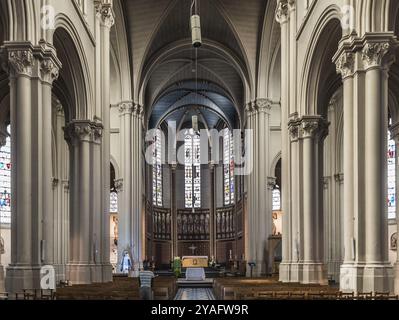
column 195, row 294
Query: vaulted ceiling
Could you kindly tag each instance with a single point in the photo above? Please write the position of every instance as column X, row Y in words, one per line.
column 169, row 77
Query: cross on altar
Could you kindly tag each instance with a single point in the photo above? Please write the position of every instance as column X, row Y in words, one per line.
column 192, row 248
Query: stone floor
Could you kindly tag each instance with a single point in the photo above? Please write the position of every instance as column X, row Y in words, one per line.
column 195, row 294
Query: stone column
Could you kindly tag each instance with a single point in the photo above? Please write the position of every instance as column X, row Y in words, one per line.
column 282, row 17
column 32, row 70
column 377, row 58
column 125, row 200
column 259, row 218
column 79, row 134
column 49, row 73
column 296, row 235
column 249, row 221
column 367, row 61
column 271, row 183
column 212, row 237
column 395, row 136
column 173, row 168
column 61, row 195
column 106, row 17
column 137, row 184
column 313, row 270
column 350, row 273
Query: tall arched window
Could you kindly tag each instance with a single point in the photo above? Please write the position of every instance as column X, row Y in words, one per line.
column 113, row 200
column 228, row 167
column 5, row 182
column 391, row 176
column 192, row 151
column 157, row 170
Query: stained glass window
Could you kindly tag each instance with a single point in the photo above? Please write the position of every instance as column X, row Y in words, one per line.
column 114, row 202
column 391, row 178
column 192, row 151
column 157, row 170
column 276, row 199
column 5, row 182
column 228, row 167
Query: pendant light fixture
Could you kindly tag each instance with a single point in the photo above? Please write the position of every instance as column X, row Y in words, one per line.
column 195, row 23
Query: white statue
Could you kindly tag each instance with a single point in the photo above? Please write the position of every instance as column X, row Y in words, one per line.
column 126, row 264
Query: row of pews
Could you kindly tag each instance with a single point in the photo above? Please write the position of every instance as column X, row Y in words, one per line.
column 271, row 289
column 122, row 288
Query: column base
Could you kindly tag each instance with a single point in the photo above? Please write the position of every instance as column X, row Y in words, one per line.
column 396, row 272
column 314, row 273
column 2, row 284
column 80, row 273
column 351, row 278
column 107, row 273
column 96, row 273
column 284, row 272
column 60, row 272
column 22, row 277
column 296, row 272
column 378, row 278
column 334, row 268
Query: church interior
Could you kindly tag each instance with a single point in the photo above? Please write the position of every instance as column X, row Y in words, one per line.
column 239, row 150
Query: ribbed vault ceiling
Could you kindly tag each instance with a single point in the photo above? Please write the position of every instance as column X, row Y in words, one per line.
column 163, row 61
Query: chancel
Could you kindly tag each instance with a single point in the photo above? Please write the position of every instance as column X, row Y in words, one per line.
column 236, row 149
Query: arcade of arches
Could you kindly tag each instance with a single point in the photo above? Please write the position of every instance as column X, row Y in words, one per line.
column 82, row 181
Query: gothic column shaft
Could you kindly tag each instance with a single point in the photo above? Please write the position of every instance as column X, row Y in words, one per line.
column 395, row 135
column 377, row 58
column 283, row 18
column 125, row 207
column 295, row 200
column 308, row 202
column 313, row 131
column 106, row 16
column 49, row 73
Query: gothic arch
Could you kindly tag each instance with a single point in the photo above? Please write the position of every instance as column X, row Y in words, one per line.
column 269, row 53
column 319, row 77
column 120, row 60
column 74, row 74
column 274, row 164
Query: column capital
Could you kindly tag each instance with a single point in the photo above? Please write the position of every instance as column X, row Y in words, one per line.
column 173, row 166
column 263, row 105
column 271, row 183
column 138, row 111
column 283, row 10
column 293, row 128
column 339, row 177
column 249, row 108
column 49, row 70
column 83, row 131
column 126, row 107
column 105, row 12
column 18, row 60
column 326, row 181
column 378, row 54
column 313, row 127
column 345, row 64
column 119, row 185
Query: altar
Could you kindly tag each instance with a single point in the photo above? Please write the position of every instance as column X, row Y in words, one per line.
column 195, row 262
column 195, row 267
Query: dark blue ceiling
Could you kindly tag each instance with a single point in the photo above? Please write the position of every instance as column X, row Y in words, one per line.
column 182, row 100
